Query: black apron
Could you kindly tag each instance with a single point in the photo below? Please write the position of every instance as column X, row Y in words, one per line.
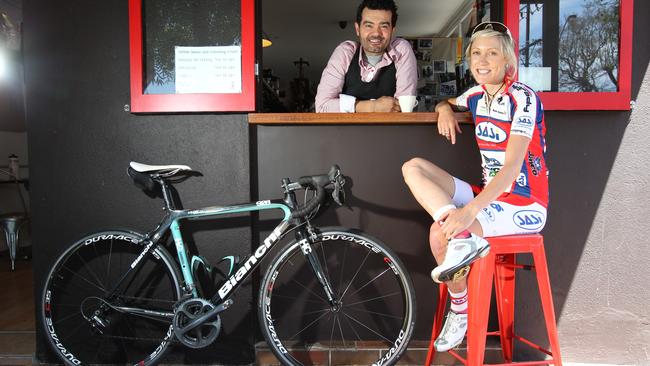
column 384, row 83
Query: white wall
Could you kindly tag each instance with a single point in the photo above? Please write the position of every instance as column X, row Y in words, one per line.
column 606, row 318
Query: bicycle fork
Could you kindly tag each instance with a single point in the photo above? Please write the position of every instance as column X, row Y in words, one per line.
column 317, row 268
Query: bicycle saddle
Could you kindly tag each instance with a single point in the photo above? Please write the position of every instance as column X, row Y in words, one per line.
column 144, row 168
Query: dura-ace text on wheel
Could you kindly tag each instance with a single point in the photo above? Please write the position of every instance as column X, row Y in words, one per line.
column 89, row 321
column 373, row 303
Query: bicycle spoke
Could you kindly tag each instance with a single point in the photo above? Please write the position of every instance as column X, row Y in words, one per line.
column 307, row 326
column 99, row 262
column 378, row 313
column 353, row 330
column 85, row 265
column 98, row 286
column 355, row 275
column 375, row 298
column 108, row 267
column 338, row 321
column 332, row 331
column 309, row 290
column 365, row 326
column 68, row 317
column 342, row 271
column 296, row 298
column 369, row 282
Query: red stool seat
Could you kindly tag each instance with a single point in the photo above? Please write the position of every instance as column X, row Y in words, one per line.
column 499, row 266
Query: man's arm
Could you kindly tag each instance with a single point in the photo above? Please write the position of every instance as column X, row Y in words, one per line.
column 406, row 69
column 333, row 78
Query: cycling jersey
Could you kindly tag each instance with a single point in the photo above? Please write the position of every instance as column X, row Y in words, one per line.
column 517, row 111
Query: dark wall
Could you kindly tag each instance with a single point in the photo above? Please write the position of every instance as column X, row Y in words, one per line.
column 81, row 141
column 582, row 147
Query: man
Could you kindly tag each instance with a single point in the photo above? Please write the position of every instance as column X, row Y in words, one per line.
column 369, row 75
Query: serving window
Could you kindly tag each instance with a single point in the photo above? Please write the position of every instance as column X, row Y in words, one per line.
column 192, row 55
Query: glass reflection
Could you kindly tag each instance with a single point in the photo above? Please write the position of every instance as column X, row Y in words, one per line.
column 569, row 45
column 170, row 23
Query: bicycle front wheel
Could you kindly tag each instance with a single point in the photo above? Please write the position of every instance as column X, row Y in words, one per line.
column 375, row 301
column 86, row 324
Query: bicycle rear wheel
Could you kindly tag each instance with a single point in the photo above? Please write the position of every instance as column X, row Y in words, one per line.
column 86, row 326
column 376, row 308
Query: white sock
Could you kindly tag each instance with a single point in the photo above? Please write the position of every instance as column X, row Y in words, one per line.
column 459, row 302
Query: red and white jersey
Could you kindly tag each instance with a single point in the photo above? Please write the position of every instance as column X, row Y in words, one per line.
column 517, row 111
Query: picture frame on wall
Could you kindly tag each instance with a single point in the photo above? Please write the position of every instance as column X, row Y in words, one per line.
column 425, row 43
column 439, row 66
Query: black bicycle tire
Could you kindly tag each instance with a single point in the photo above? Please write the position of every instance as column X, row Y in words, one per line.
column 159, row 252
column 286, row 253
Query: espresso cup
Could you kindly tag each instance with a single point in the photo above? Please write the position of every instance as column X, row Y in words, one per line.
column 407, row 103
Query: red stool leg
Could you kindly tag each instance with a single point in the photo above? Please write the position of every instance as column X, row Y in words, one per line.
column 546, row 296
column 479, row 295
column 437, row 322
column 504, row 282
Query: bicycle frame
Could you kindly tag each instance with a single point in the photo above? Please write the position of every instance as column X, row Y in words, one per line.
column 171, row 221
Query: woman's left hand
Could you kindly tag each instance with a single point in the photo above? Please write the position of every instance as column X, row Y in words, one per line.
column 456, row 220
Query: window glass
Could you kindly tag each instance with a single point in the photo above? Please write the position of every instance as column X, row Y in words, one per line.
column 191, row 46
column 569, row 45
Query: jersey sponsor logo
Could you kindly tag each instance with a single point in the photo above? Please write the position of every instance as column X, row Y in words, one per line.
column 489, row 213
column 488, row 131
column 528, row 102
column 526, row 93
column 526, row 121
column 491, row 163
column 535, row 163
column 520, row 132
column 497, row 207
column 522, row 180
column 529, row 219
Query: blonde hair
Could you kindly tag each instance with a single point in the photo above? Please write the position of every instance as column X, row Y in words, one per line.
column 507, row 48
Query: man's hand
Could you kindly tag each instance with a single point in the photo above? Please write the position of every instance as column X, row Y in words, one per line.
column 383, row 104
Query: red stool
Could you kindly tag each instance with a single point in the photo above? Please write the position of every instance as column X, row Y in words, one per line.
column 500, row 264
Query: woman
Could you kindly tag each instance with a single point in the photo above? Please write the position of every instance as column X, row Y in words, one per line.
column 509, row 129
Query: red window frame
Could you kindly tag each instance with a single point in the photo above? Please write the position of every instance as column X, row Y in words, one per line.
column 619, row 100
column 200, row 102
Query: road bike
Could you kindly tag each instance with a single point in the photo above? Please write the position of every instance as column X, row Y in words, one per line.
column 119, row 297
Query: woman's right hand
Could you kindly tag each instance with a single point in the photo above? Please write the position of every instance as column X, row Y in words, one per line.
column 447, row 124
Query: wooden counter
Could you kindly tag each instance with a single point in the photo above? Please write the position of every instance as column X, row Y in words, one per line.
column 416, row 118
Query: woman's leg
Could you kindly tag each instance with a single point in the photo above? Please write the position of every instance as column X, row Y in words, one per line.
column 431, row 186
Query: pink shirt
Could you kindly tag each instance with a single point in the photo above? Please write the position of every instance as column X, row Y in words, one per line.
column 329, row 97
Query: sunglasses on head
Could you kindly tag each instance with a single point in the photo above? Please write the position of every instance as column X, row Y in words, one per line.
column 495, row 26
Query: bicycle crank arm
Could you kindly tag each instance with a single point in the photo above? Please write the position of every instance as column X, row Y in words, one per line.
column 207, row 316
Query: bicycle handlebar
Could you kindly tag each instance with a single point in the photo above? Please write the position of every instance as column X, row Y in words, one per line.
column 319, row 182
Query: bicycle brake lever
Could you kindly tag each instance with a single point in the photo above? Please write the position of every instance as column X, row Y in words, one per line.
column 339, row 194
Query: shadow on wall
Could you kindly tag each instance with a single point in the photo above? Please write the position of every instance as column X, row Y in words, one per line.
column 582, row 148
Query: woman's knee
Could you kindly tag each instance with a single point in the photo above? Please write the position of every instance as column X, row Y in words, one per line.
column 413, row 167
